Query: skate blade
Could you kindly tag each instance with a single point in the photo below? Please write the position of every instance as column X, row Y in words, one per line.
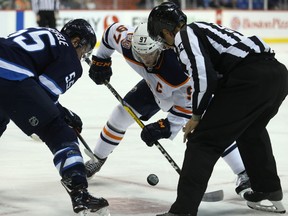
column 272, row 206
column 101, row 212
column 83, row 213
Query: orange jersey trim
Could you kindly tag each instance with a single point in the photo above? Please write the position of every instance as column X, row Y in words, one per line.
column 181, row 109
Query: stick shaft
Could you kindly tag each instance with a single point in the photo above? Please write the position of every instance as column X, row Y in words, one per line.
column 213, row 196
column 83, row 141
column 140, row 123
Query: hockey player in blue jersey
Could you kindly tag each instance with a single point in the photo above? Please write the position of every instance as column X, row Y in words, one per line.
column 164, row 86
column 36, row 66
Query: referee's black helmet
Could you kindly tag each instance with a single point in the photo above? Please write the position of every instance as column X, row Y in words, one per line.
column 167, row 15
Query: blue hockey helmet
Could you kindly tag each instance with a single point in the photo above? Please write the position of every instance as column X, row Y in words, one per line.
column 82, row 29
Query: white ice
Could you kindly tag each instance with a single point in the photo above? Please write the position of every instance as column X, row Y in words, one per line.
column 30, row 184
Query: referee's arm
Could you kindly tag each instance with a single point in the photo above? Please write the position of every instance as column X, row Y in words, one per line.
column 199, row 66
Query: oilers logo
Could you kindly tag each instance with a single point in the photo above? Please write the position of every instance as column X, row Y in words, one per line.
column 126, row 43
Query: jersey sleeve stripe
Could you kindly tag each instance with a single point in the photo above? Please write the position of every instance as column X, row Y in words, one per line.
column 105, row 37
column 194, row 73
column 258, row 43
column 106, row 44
column 11, row 71
column 50, row 85
column 181, row 109
column 179, row 114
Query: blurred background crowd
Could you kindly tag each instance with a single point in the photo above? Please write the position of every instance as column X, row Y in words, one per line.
column 148, row 4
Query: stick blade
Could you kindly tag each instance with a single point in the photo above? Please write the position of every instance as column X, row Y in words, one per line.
column 90, row 154
column 213, row 196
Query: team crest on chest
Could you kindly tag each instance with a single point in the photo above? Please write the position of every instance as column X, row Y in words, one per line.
column 126, row 43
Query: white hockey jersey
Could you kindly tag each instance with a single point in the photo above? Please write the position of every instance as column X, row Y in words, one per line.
column 170, row 86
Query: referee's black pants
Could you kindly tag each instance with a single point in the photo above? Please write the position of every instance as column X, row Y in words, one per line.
column 240, row 110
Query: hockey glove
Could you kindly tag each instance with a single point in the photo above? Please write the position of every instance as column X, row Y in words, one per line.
column 72, row 119
column 155, row 131
column 100, row 70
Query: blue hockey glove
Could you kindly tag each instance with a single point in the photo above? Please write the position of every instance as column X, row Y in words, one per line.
column 100, row 70
column 155, row 131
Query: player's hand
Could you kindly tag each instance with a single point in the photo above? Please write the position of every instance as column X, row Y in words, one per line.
column 72, row 119
column 155, row 131
column 189, row 128
column 100, row 70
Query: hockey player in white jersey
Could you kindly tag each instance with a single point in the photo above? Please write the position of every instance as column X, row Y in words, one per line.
column 164, row 86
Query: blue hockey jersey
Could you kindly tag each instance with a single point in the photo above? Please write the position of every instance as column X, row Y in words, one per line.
column 42, row 53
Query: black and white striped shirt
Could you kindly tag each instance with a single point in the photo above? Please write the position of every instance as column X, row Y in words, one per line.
column 45, row 5
column 206, row 50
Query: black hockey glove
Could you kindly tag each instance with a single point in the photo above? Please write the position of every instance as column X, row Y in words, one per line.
column 100, row 70
column 155, row 131
column 72, row 119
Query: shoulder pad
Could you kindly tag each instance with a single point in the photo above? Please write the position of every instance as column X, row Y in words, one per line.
column 170, row 69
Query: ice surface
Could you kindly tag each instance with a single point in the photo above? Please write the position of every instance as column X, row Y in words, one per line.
column 30, row 184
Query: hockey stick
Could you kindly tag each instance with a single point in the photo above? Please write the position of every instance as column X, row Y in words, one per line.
column 87, row 149
column 138, row 121
column 213, row 196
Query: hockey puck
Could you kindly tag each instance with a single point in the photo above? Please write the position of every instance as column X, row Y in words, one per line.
column 153, row 179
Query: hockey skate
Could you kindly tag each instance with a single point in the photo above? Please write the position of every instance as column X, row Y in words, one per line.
column 172, row 214
column 269, row 202
column 93, row 166
column 83, row 202
column 242, row 183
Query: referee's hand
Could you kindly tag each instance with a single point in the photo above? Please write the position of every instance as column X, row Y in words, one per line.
column 188, row 128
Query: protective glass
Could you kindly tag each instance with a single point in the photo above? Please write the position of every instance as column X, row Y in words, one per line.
column 88, row 48
column 86, row 55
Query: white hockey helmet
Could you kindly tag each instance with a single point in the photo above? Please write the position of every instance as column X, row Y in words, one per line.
column 145, row 49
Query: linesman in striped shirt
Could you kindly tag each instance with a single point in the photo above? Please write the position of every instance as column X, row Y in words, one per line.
column 248, row 86
column 46, row 11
